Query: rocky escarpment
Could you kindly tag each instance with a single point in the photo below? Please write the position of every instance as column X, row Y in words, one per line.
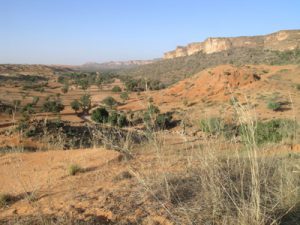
column 280, row 41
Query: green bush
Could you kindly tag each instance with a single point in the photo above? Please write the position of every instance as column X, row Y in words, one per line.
column 113, row 118
column 83, row 84
column 31, row 132
column 212, row 125
column 116, row 119
column 100, row 115
column 86, row 103
column 53, row 106
column 116, row 89
column 141, row 85
column 75, row 105
column 122, row 120
column 124, row 96
column 298, row 87
column 154, row 119
column 275, row 106
column 272, row 131
column 163, row 121
column 151, row 113
column 110, row 101
column 29, row 108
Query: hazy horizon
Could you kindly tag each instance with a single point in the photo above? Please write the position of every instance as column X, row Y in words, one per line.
column 76, row 32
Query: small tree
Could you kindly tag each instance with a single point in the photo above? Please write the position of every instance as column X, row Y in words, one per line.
column 99, row 81
column 124, row 96
column 85, row 103
column 65, row 88
column 110, row 101
column 100, row 115
column 75, row 105
column 116, row 89
column 53, row 106
column 84, row 84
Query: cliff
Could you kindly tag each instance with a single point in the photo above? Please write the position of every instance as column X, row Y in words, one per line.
column 280, row 41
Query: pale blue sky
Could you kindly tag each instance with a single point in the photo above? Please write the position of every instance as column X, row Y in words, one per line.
column 79, row 31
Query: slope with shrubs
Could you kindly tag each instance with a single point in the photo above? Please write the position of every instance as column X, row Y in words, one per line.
column 172, row 70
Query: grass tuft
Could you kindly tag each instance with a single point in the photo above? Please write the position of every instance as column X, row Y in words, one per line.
column 74, row 169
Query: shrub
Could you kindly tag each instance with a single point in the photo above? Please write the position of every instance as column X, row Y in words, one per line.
column 212, row 125
column 5, row 199
column 141, row 85
column 61, row 79
column 73, row 169
column 298, row 87
column 163, row 121
column 65, row 89
column 116, row 119
column 272, row 131
column 85, row 103
column 100, row 115
column 53, row 106
column 23, row 123
column 132, row 85
column 31, row 132
column 29, row 108
column 150, row 116
column 151, row 113
column 275, row 106
column 116, row 89
column 83, row 84
column 122, row 120
column 124, row 96
column 113, row 118
column 110, row 101
column 75, row 105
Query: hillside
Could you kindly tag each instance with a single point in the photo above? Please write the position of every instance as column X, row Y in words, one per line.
column 278, row 41
column 140, row 174
column 33, row 69
column 172, row 70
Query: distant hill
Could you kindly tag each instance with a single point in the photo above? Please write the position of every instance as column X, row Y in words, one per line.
column 172, row 70
column 34, row 68
column 115, row 65
column 278, row 41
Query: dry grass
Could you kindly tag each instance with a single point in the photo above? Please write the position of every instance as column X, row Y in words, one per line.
column 201, row 184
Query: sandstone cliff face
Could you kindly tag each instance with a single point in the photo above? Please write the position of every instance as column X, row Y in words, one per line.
column 282, row 40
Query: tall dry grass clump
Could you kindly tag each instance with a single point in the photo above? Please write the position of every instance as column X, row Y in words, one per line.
column 202, row 183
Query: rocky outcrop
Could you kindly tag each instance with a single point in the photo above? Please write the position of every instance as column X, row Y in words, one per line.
column 281, row 40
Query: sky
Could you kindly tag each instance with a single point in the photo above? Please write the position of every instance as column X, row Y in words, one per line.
column 78, row 31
